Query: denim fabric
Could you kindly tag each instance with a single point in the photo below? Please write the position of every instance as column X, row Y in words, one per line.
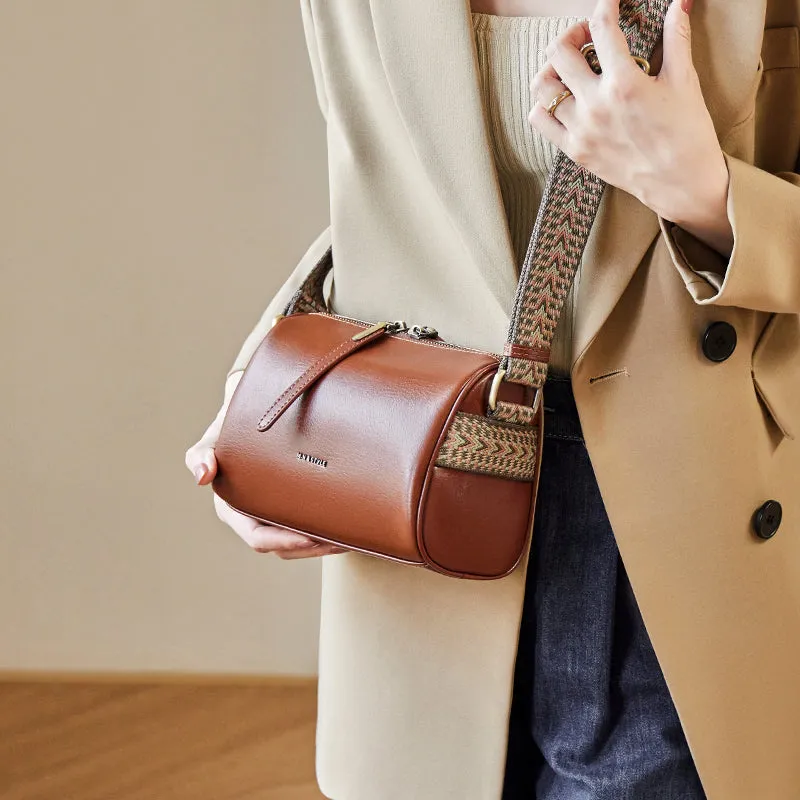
column 591, row 715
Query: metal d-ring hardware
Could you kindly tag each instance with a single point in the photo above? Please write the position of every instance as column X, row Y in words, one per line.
column 495, row 388
column 590, row 54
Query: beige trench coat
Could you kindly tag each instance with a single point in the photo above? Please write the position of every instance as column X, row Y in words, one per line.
column 415, row 668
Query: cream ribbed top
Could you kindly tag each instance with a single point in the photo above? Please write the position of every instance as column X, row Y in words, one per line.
column 510, row 52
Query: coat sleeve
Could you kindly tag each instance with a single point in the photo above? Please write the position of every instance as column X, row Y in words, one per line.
column 763, row 271
column 316, row 249
column 313, row 55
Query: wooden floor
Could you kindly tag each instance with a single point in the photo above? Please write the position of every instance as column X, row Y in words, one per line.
column 168, row 741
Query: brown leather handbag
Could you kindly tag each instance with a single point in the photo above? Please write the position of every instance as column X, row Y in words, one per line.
column 385, row 439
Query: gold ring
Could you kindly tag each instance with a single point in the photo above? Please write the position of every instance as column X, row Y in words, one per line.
column 556, row 100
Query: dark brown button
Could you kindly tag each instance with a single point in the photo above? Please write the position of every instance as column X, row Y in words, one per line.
column 767, row 519
column 719, row 341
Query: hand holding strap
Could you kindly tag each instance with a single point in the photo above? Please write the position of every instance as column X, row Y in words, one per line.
column 567, row 211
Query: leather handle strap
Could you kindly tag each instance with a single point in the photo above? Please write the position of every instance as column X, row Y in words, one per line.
column 315, row 371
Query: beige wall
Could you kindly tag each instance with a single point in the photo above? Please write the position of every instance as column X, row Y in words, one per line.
column 162, row 169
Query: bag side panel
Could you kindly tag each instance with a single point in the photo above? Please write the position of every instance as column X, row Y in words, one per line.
column 475, row 525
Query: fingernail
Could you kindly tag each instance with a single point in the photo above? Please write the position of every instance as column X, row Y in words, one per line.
column 686, row 5
column 199, row 472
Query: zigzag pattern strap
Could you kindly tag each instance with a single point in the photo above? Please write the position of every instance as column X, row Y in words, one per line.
column 567, row 211
column 474, row 443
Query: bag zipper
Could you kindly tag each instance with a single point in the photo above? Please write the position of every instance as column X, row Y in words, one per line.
column 403, row 333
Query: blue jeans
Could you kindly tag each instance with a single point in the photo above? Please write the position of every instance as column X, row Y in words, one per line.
column 591, row 715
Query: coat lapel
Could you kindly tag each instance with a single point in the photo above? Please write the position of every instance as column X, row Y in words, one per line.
column 431, row 65
column 429, row 57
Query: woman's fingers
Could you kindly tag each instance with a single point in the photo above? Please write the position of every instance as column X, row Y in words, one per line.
column 202, row 462
column 565, row 62
column 554, row 127
column 609, row 41
column 253, row 532
column 322, row 549
column 271, row 539
column 677, row 63
column 268, row 539
column 547, row 89
column 200, row 458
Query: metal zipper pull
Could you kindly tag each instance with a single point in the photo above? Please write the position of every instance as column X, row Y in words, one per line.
column 386, row 327
column 423, row 332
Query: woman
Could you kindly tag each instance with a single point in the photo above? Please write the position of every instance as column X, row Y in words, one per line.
column 675, row 429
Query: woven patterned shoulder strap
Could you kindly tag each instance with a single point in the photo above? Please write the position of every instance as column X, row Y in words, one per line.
column 566, row 213
column 310, row 296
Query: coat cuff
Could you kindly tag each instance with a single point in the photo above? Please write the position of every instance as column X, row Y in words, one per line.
column 702, row 268
column 761, row 272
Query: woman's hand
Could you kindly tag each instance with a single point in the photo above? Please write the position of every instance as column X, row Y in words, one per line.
column 202, row 463
column 650, row 135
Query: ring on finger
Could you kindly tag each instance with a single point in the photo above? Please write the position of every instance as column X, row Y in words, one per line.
column 551, row 108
